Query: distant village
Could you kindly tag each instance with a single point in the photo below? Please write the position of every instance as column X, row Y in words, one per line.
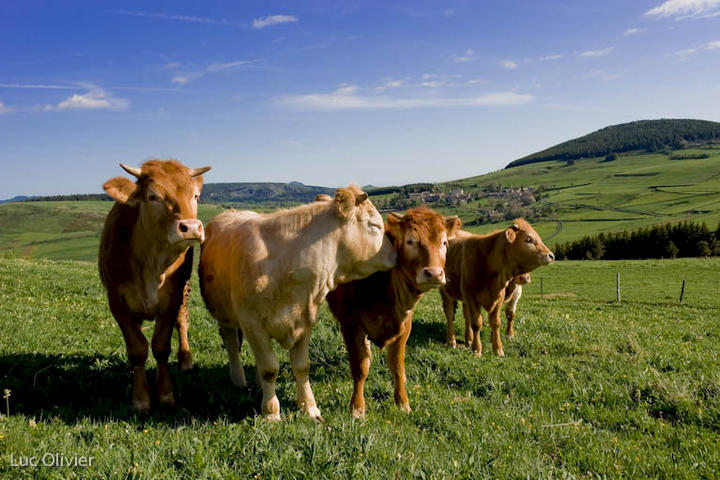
column 494, row 202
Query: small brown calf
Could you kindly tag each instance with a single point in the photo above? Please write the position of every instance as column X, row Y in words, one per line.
column 479, row 268
column 380, row 307
column 513, row 292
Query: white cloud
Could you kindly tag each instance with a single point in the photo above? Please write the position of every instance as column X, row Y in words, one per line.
column 597, row 53
column 509, row 64
column 171, row 65
column 686, row 9
column 273, row 20
column 546, row 58
column 467, row 57
column 347, row 98
column 688, row 52
column 633, row 31
column 4, row 109
column 96, row 98
column 180, row 18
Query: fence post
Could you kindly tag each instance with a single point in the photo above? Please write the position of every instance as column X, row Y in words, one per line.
column 682, row 291
column 541, row 287
column 617, row 286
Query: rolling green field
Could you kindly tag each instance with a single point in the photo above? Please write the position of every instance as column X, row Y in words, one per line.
column 594, row 196
column 590, row 388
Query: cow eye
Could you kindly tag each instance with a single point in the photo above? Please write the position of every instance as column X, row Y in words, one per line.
column 529, row 240
column 410, row 241
column 153, row 198
column 197, row 197
column 445, row 244
column 375, row 227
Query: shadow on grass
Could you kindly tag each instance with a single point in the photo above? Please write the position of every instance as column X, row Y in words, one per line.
column 71, row 387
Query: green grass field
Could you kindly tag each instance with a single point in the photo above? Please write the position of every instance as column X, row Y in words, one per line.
column 590, row 388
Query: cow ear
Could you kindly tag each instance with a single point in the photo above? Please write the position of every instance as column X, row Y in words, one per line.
column 392, row 226
column 345, row 201
column 360, row 198
column 511, row 233
column 322, row 197
column 120, row 189
column 452, row 225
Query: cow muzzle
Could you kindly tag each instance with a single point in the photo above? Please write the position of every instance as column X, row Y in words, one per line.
column 430, row 277
column 190, row 230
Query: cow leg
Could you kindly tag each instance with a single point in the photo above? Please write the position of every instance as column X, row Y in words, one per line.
column 473, row 325
column 137, row 350
column 510, row 309
column 396, row 362
column 300, row 363
column 267, row 366
column 184, row 356
column 494, row 320
column 232, row 337
column 161, row 351
column 449, row 306
column 360, row 357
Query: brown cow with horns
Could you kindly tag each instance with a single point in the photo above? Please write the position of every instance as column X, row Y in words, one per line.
column 145, row 264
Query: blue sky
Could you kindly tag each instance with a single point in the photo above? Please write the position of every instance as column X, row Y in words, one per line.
column 333, row 92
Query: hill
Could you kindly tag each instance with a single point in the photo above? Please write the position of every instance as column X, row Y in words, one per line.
column 270, row 194
column 643, row 135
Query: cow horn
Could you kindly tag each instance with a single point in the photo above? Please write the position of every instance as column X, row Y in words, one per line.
column 134, row 171
column 515, row 227
column 199, row 171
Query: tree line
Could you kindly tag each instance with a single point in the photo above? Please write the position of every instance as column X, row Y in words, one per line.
column 684, row 239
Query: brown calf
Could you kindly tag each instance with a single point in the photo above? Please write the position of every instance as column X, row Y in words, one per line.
column 145, row 264
column 380, row 307
column 513, row 292
column 479, row 268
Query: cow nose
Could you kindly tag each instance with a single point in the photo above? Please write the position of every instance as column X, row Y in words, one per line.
column 190, row 229
column 551, row 256
column 434, row 273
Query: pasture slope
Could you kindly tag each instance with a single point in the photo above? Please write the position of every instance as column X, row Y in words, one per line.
column 593, row 196
column 590, row 388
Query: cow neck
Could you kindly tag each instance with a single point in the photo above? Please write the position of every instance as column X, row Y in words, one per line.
column 404, row 292
column 500, row 261
column 152, row 257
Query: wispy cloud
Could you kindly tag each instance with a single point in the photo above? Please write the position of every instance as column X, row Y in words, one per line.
column 597, row 53
column 179, row 18
column 36, row 86
column 509, row 64
column 187, row 77
column 633, row 31
column 681, row 9
column 603, row 76
column 469, row 56
column 95, row 98
column 546, row 58
column 348, row 97
column 688, row 52
column 273, row 20
column 4, row 109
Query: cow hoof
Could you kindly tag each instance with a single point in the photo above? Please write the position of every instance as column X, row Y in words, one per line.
column 451, row 344
column 141, row 407
column 511, row 336
column 477, row 353
column 314, row 413
column 272, row 417
column 500, row 353
column 405, row 408
column 358, row 413
column 185, row 361
column 167, row 399
column 238, row 379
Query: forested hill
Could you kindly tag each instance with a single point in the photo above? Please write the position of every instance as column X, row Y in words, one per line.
column 647, row 135
column 260, row 193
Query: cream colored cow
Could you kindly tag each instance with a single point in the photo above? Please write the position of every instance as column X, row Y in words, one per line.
column 265, row 276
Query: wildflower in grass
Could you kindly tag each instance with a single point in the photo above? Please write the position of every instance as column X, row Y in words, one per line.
column 6, row 396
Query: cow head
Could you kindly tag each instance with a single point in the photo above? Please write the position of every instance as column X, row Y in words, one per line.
column 522, row 279
column 526, row 248
column 421, row 239
column 166, row 194
column 363, row 248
